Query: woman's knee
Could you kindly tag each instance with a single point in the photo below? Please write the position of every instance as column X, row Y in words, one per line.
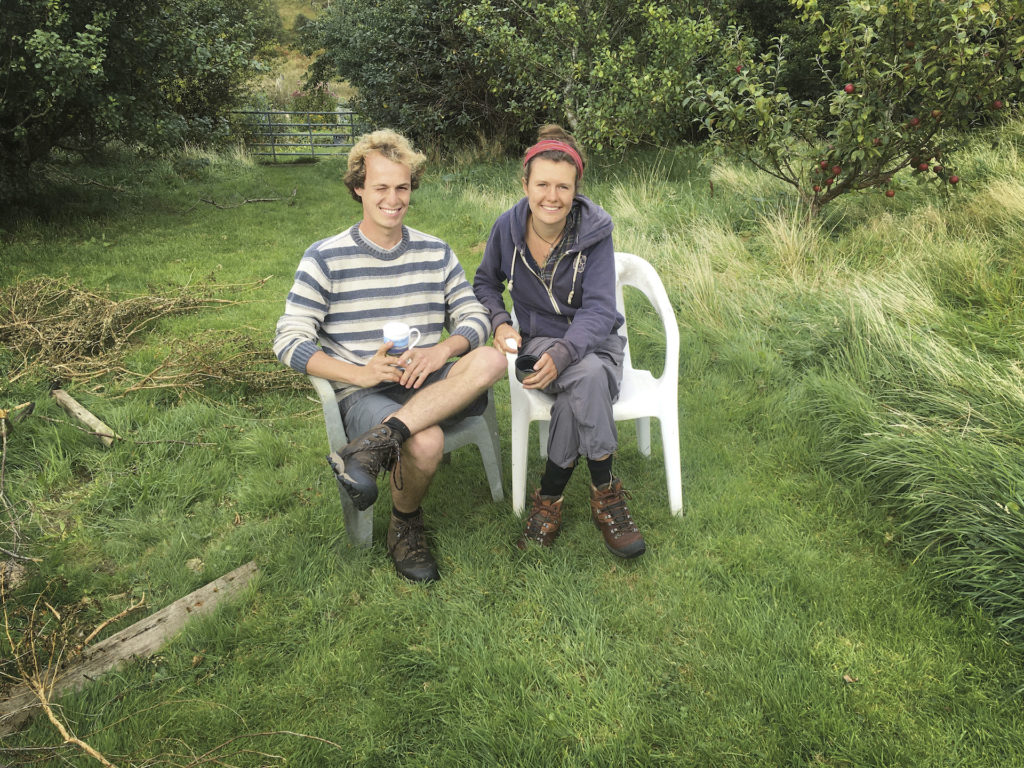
column 589, row 375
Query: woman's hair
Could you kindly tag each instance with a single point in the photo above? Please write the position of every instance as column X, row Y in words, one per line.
column 552, row 132
column 394, row 146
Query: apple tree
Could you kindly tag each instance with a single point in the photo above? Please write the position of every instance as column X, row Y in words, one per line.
column 906, row 80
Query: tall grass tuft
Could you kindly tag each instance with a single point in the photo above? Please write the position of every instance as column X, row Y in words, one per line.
column 937, row 433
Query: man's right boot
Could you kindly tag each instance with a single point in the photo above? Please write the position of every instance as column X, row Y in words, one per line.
column 359, row 463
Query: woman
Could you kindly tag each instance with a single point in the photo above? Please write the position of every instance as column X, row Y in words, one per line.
column 554, row 249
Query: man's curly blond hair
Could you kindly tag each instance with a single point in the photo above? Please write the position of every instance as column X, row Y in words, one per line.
column 394, row 146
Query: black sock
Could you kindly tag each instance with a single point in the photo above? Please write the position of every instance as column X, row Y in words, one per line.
column 399, row 428
column 555, row 478
column 406, row 515
column 600, row 471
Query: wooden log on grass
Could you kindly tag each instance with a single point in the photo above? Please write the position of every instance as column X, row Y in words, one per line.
column 76, row 410
column 143, row 638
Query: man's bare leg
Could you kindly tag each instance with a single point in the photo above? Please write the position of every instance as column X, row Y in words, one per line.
column 407, row 540
column 472, row 375
column 421, row 455
column 365, row 456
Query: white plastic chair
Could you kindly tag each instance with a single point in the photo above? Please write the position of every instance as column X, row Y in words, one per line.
column 642, row 395
column 479, row 430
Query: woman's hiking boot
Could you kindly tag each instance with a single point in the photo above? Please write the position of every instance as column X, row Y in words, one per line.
column 612, row 518
column 544, row 522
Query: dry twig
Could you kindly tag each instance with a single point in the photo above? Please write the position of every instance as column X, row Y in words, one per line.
column 58, row 330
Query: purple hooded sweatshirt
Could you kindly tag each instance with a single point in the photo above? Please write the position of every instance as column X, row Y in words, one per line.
column 579, row 309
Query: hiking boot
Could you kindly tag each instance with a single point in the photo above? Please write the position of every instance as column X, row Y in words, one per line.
column 407, row 545
column 359, row 463
column 611, row 516
column 544, row 523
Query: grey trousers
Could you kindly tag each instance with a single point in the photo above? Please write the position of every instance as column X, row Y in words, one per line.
column 581, row 417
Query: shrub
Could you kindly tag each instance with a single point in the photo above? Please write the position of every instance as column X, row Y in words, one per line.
column 614, row 71
column 907, row 80
column 413, row 67
column 78, row 74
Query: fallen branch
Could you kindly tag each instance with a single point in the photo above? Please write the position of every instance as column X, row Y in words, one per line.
column 246, row 200
column 106, row 623
column 128, row 439
column 76, row 410
column 40, row 693
column 203, row 758
column 141, row 639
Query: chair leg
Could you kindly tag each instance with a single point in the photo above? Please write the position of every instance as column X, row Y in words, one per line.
column 520, row 445
column 490, row 452
column 643, row 435
column 358, row 522
column 673, row 465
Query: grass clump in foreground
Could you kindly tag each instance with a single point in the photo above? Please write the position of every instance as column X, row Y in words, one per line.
column 844, row 386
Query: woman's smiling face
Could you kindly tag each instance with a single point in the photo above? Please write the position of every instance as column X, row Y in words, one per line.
column 550, row 190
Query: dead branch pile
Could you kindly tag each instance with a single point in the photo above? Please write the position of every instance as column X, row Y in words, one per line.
column 55, row 329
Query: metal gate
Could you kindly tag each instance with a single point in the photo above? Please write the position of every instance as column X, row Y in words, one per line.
column 287, row 135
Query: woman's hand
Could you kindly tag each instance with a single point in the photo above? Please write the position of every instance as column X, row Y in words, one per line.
column 505, row 333
column 545, row 373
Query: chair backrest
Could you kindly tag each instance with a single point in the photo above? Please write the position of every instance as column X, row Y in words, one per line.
column 637, row 273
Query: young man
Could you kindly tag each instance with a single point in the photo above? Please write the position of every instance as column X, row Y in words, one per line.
column 346, row 289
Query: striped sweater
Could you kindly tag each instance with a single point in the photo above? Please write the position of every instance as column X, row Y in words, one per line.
column 346, row 289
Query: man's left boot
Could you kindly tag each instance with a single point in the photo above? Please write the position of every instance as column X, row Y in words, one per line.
column 612, row 518
column 407, row 545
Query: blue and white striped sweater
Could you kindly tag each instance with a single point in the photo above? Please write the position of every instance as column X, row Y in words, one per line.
column 346, row 289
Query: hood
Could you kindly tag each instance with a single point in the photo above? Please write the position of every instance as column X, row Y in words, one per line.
column 595, row 223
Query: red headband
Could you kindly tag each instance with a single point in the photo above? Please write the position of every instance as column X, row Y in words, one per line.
column 561, row 146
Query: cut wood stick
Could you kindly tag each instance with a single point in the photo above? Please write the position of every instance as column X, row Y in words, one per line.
column 76, row 410
column 143, row 638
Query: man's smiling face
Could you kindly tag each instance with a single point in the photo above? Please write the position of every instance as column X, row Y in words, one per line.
column 385, row 194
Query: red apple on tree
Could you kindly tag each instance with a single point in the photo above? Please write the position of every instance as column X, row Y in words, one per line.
column 849, row 88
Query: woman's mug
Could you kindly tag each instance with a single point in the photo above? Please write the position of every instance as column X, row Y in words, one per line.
column 402, row 337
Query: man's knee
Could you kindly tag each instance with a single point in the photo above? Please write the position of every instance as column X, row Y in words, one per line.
column 487, row 365
column 425, row 448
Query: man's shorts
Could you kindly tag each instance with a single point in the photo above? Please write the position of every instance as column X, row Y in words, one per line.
column 363, row 410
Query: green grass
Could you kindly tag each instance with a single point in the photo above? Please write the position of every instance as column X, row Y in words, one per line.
column 850, row 407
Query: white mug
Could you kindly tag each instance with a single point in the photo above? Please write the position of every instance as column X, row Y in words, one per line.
column 402, row 337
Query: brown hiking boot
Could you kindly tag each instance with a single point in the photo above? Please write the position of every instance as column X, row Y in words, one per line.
column 359, row 463
column 407, row 545
column 544, row 523
column 611, row 516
